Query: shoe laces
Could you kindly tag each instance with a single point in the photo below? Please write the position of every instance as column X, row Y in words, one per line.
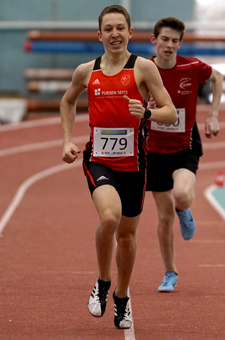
column 122, row 308
column 167, row 278
column 103, row 291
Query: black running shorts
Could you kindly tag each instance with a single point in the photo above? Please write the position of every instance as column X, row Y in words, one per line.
column 129, row 185
column 160, row 168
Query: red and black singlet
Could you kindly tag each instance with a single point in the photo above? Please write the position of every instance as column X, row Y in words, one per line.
column 116, row 136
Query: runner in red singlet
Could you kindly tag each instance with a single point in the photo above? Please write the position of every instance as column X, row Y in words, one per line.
column 174, row 149
column 114, row 159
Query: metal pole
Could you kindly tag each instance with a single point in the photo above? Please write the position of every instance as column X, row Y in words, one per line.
column 127, row 5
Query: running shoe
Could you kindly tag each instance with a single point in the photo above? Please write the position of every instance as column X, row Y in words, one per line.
column 187, row 223
column 98, row 298
column 122, row 314
column 169, row 282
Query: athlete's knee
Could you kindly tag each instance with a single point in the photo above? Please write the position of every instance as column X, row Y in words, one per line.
column 165, row 221
column 184, row 198
column 126, row 240
column 110, row 220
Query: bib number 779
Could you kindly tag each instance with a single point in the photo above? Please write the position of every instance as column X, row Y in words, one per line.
column 117, row 142
column 114, row 141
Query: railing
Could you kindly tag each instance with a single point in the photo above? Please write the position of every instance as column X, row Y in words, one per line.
column 57, row 80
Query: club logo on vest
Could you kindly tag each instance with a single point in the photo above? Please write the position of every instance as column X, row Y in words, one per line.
column 185, row 82
column 125, row 80
column 186, row 86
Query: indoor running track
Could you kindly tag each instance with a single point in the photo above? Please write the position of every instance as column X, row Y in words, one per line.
column 47, row 250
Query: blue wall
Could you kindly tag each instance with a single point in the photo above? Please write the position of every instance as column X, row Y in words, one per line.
column 13, row 60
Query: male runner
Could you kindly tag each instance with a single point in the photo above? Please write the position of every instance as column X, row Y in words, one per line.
column 174, row 149
column 114, row 158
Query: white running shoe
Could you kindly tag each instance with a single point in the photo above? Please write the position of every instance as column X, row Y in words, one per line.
column 98, row 298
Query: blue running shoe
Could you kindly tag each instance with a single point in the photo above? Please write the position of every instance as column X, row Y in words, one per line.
column 187, row 223
column 169, row 282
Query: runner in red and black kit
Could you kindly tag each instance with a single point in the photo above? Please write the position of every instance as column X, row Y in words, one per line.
column 114, row 159
column 174, row 150
column 115, row 154
column 182, row 137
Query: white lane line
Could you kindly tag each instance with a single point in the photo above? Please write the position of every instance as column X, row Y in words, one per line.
column 213, row 145
column 81, row 117
column 29, row 124
column 129, row 333
column 39, row 146
column 213, row 201
column 212, row 165
column 25, row 186
column 201, row 126
column 84, row 139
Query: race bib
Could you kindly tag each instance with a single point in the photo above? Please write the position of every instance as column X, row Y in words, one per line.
column 179, row 126
column 116, row 142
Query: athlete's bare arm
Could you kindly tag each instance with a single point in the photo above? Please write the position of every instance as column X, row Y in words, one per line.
column 212, row 124
column 148, row 80
column 68, row 103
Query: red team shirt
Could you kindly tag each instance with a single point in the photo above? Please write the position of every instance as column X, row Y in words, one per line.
column 182, row 83
column 116, row 136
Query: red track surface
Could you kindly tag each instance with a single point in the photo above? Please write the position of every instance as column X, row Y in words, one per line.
column 47, row 251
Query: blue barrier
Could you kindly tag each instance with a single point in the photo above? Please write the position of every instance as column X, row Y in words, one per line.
column 136, row 48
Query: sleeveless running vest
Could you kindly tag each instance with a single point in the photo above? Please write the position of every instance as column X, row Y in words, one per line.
column 116, row 138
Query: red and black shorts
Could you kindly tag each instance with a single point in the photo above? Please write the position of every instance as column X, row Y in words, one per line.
column 129, row 185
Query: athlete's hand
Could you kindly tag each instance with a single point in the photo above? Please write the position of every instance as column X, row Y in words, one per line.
column 211, row 127
column 135, row 107
column 70, row 152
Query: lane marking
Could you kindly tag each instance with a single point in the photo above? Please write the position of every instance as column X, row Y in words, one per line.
column 81, row 117
column 213, row 145
column 128, row 333
column 39, row 146
column 212, row 265
column 207, row 241
column 201, row 126
column 211, row 165
column 209, row 195
column 25, row 186
column 85, row 138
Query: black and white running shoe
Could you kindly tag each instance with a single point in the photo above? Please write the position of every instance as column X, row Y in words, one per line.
column 122, row 314
column 98, row 298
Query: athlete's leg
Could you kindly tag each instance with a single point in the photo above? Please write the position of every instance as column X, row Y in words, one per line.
column 108, row 205
column 183, row 188
column 125, row 252
column 165, row 212
column 184, row 181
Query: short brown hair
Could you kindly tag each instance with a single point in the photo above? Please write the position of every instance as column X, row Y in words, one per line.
column 114, row 9
column 170, row 22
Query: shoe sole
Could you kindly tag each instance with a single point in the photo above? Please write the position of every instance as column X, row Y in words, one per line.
column 166, row 290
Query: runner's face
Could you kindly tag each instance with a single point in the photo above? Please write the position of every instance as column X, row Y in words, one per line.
column 167, row 43
column 114, row 32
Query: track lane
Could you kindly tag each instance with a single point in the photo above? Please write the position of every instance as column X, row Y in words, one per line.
column 49, row 266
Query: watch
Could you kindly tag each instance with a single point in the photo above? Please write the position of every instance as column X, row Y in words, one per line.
column 147, row 114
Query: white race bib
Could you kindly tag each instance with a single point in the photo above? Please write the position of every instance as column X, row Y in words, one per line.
column 179, row 126
column 115, row 142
